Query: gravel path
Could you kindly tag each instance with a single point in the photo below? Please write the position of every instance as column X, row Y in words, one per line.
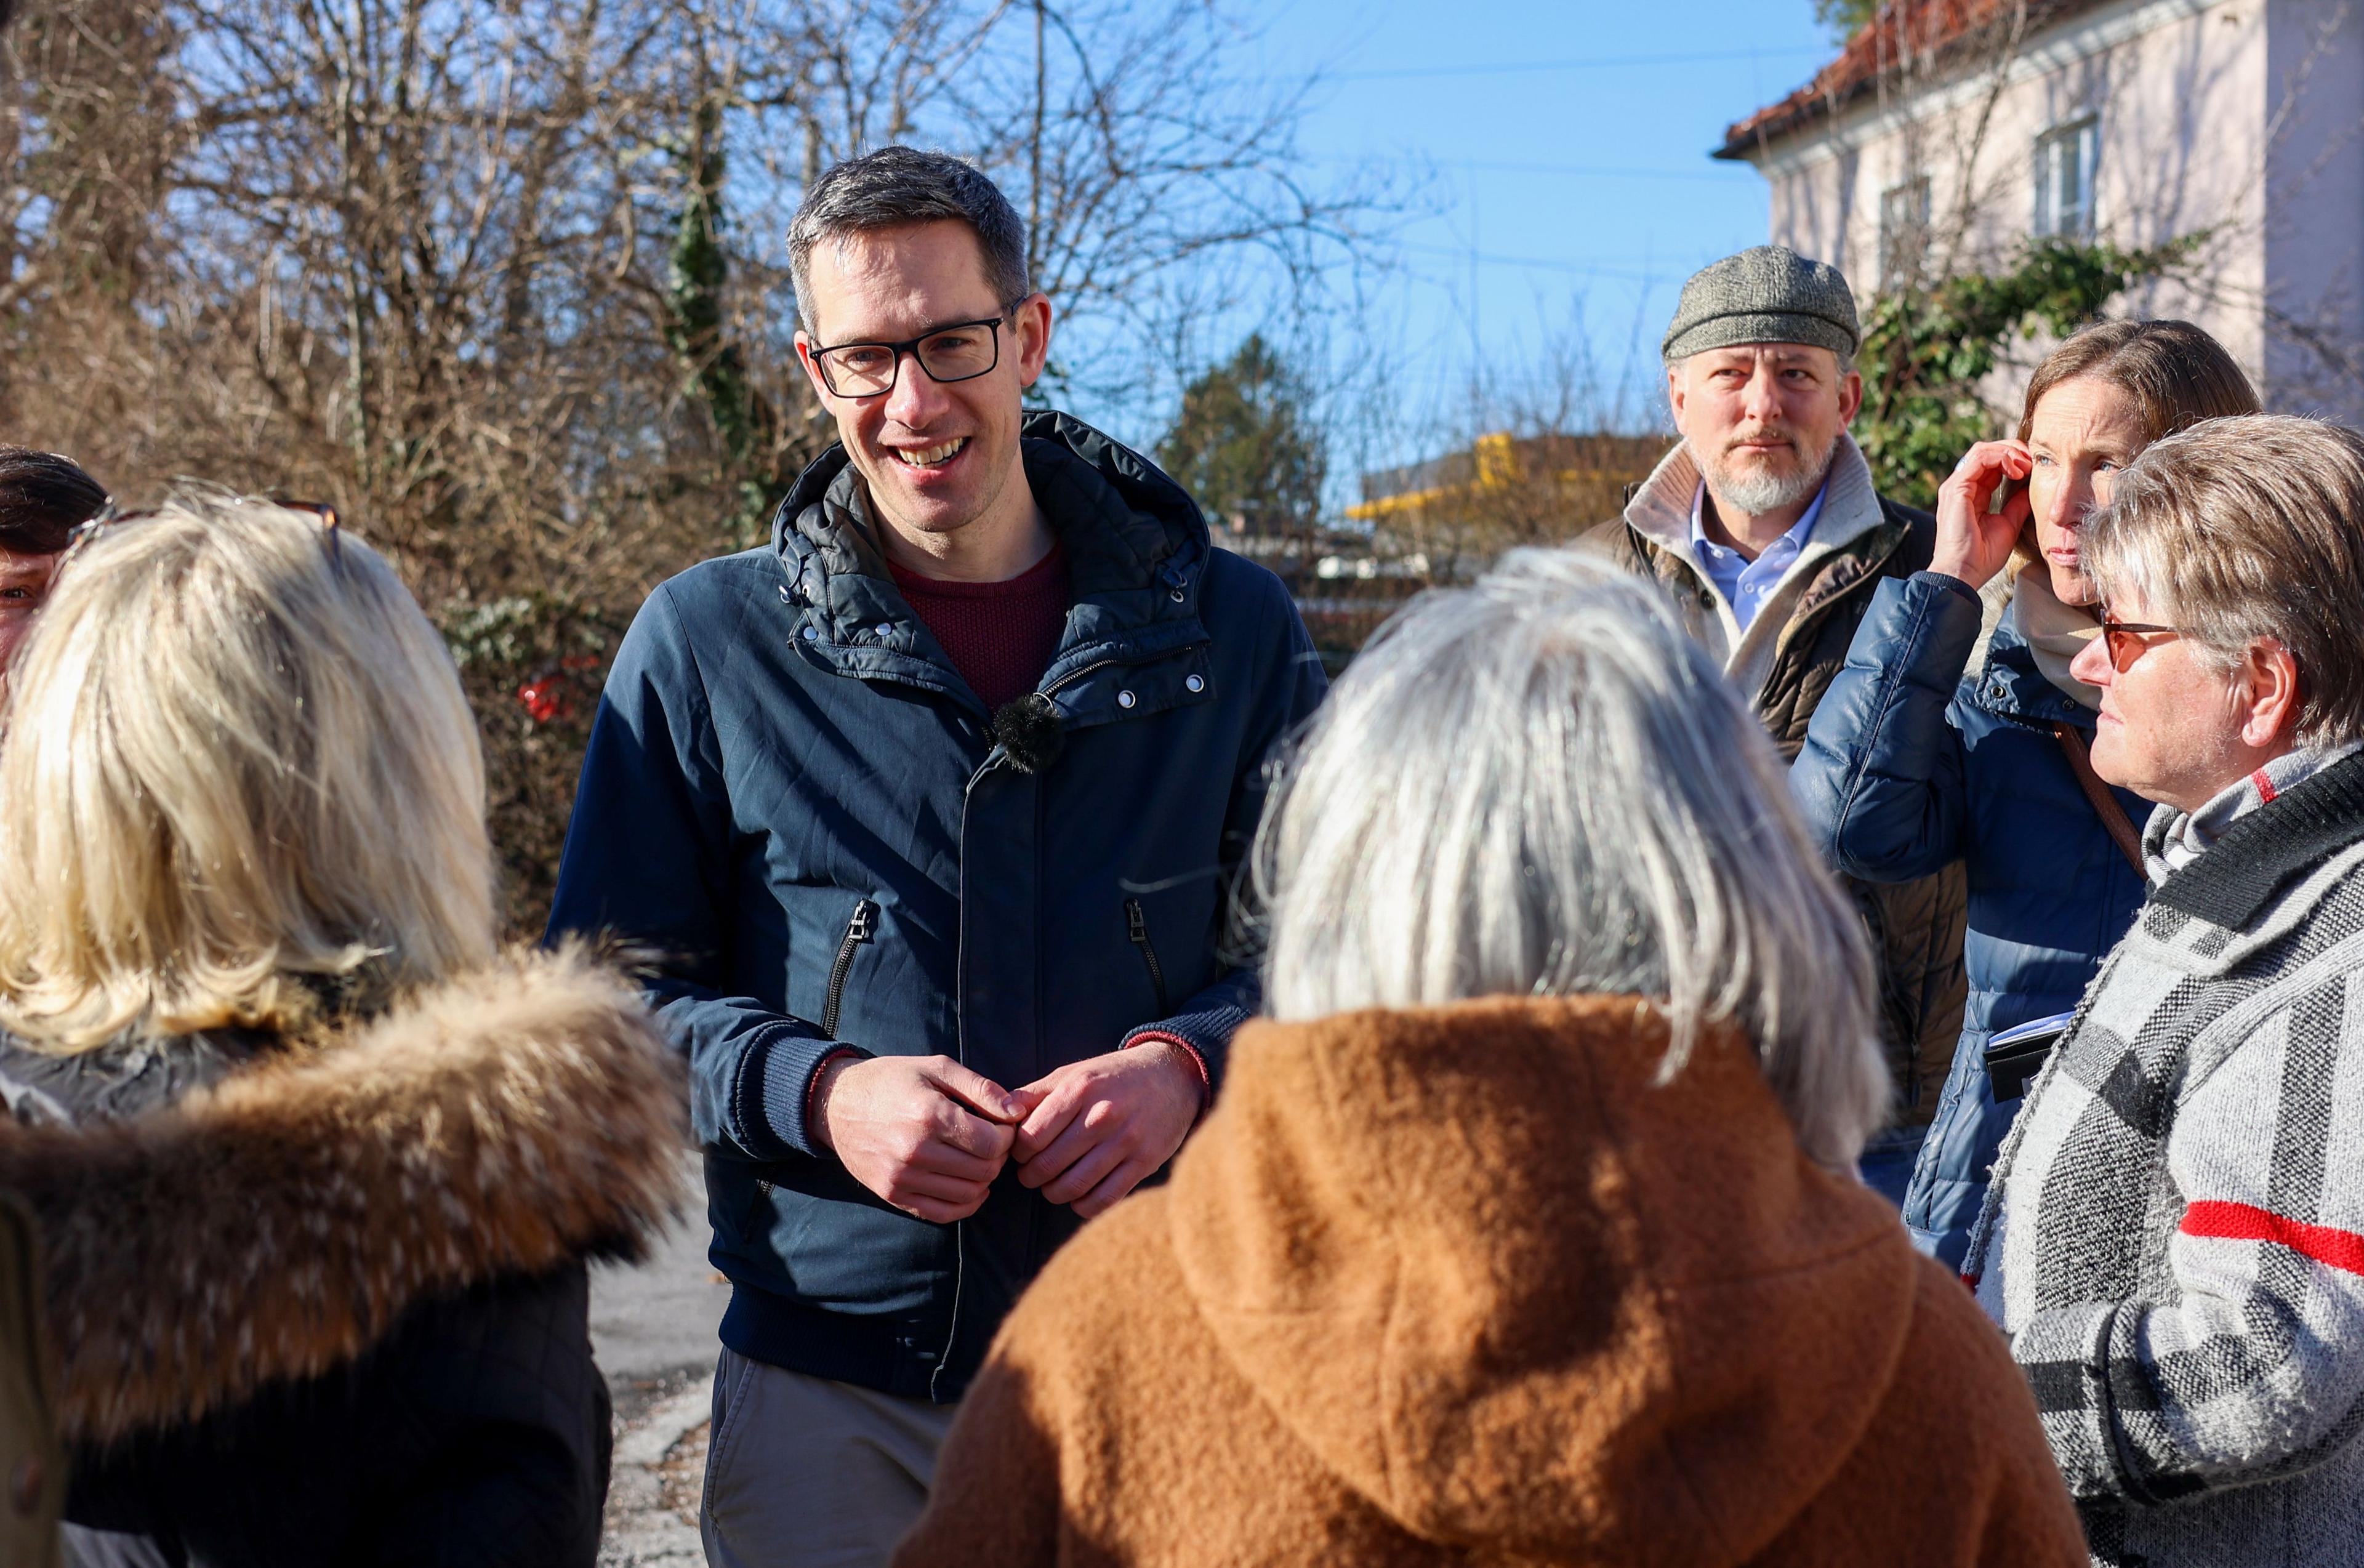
column 660, row 1465
column 652, row 1328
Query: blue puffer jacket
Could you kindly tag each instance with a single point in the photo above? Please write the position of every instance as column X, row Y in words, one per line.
column 793, row 795
column 1907, row 766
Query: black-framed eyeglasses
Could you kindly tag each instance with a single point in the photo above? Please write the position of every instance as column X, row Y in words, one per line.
column 2128, row 641
column 961, row 350
column 111, row 516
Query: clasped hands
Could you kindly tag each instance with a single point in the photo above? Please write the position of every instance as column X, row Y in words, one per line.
column 929, row 1135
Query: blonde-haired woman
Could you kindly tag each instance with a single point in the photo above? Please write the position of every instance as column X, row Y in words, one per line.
column 317, row 1168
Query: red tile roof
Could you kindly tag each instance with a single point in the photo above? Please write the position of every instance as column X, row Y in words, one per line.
column 1918, row 35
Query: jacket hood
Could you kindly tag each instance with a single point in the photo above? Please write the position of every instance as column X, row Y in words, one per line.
column 1515, row 1291
column 277, row 1225
column 1137, row 547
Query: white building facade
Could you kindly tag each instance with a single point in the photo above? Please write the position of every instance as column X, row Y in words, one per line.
column 1950, row 132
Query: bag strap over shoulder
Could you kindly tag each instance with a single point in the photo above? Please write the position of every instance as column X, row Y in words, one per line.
column 2106, row 804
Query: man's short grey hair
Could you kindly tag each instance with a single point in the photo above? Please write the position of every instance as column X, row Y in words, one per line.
column 899, row 186
column 2243, row 528
column 1538, row 785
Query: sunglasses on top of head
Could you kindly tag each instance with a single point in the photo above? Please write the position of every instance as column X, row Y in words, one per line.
column 111, row 516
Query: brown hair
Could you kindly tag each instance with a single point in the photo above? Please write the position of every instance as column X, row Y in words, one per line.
column 2176, row 373
column 2244, row 528
column 43, row 497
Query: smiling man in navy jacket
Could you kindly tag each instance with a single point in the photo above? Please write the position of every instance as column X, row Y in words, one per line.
column 936, row 805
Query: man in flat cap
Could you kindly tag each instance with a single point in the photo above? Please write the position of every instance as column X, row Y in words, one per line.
column 1764, row 529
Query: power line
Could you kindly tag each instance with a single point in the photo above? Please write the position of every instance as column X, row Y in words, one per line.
column 1528, row 67
column 1727, row 174
column 1463, row 253
column 1724, row 176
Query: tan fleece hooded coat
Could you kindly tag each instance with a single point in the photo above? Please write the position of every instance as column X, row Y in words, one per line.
column 1467, row 1286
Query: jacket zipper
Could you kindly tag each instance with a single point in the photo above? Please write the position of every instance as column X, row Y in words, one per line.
column 858, row 930
column 1136, row 925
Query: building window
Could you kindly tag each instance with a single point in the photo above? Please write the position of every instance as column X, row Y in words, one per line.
column 2064, row 180
column 1904, row 233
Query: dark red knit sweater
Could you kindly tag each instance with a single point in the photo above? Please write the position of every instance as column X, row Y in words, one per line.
column 1000, row 635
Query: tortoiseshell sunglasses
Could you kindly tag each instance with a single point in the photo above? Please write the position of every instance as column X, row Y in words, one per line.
column 110, row 517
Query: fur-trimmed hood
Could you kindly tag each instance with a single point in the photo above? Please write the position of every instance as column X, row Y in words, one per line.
column 277, row 1225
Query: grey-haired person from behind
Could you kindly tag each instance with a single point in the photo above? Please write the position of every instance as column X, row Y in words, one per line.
column 1526, row 1229
column 1766, row 534
column 2174, row 1236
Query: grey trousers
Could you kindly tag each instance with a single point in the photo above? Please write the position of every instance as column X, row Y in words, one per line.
column 803, row 1473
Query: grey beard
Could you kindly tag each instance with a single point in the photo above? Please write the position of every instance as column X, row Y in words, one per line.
column 1757, row 491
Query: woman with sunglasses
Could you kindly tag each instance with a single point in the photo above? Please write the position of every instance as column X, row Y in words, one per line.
column 2173, row 1244
column 317, row 1168
column 1914, row 758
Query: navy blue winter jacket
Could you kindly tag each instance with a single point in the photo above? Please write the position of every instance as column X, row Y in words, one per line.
column 792, row 792
column 1907, row 766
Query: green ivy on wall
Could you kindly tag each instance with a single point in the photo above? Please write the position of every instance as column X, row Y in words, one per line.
column 1924, row 350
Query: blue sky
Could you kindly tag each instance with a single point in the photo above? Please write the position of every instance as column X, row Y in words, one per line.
column 1583, row 191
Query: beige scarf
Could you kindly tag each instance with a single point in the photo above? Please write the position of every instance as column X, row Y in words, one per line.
column 2054, row 632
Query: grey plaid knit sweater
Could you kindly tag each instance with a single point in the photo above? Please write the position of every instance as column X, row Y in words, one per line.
column 2174, row 1237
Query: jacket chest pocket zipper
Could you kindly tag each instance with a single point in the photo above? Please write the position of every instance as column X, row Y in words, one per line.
column 858, row 930
column 1136, row 929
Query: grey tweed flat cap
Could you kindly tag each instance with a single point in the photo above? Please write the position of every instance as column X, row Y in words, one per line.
column 1763, row 294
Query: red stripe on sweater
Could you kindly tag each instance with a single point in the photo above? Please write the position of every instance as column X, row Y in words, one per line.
column 2246, row 1222
column 2266, row 791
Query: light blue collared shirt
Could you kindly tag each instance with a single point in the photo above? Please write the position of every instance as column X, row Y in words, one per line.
column 1745, row 582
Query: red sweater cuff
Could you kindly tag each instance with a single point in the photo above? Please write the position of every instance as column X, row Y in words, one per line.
column 1198, row 1062
column 812, row 1085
